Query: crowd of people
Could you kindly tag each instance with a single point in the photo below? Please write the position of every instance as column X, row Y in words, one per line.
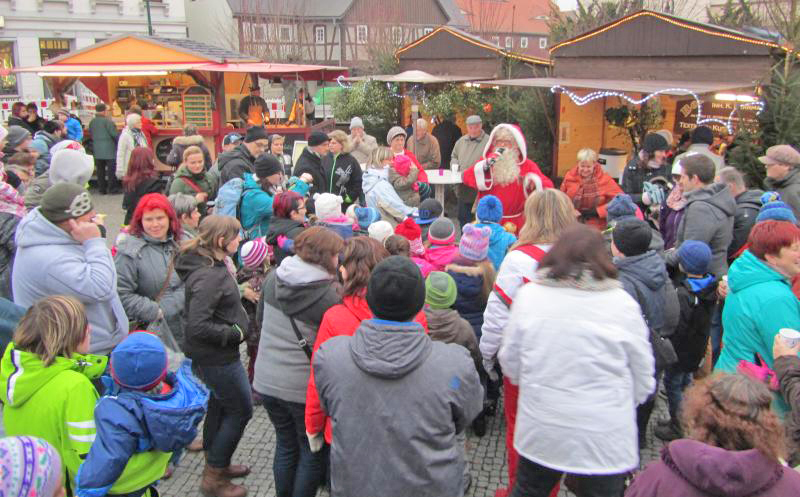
column 378, row 331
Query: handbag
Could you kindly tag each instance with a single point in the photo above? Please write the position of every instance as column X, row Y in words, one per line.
column 175, row 355
column 759, row 371
column 135, row 325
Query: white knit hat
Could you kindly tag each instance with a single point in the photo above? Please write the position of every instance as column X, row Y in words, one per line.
column 327, row 206
column 356, row 122
column 71, row 166
column 380, row 230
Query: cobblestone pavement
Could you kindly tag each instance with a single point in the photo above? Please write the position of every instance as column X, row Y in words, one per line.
column 487, row 454
column 257, row 448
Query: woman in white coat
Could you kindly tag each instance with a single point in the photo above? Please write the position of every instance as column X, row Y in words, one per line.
column 130, row 138
column 583, row 363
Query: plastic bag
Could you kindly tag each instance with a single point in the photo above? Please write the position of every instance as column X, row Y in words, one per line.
column 161, row 329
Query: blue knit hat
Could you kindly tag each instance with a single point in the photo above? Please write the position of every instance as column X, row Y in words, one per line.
column 620, row 207
column 365, row 216
column 694, row 256
column 139, row 362
column 774, row 209
column 490, row 209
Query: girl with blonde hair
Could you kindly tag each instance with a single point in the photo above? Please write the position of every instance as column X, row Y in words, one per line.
column 216, row 323
column 548, row 213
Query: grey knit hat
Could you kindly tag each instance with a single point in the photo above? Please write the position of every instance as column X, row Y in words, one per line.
column 396, row 130
column 17, row 135
column 65, row 201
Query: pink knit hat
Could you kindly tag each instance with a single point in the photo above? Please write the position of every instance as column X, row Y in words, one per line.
column 254, row 252
column 474, row 243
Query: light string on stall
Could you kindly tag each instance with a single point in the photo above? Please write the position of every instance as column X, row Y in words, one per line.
column 415, row 89
column 596, row 95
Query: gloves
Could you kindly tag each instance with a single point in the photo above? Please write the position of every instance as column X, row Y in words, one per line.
column 285, row 243
column 238, row 330
column 652, row 194
column 488, row 365
column 589, row 213
column 315, row 442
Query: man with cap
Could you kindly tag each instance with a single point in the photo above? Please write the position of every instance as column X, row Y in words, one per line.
column 702, row 139
column 60, row 252
column 382, row 372
column 240, row 160
column 782, row 163
column 429, row 211
column 253, row 110
column 229, row 142
column 467, row 151
column 363, row 144
column 259, row 192
column 18, row 139
column 310, row 161
column 104, row 148
column 425, row 146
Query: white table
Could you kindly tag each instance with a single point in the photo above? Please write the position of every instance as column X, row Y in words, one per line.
column 439, row 181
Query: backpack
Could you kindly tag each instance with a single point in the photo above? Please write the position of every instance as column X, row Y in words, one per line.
column 229, row 199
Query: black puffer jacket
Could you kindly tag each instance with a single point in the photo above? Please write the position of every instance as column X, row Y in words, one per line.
column 470, row 300
column 645, row 279
column 636, row 174
column 697, row 299
column 131, row 199
column 235, row 163
column 311, row 163
column 181, row 143
column 212, row 308
column 282, row 226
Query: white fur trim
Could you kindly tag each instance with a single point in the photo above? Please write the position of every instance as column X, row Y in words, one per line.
column 518, row 137
column 532, row 180
column 481, row 181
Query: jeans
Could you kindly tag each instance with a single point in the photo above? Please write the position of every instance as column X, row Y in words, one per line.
column 298, row 471
column 675, row 381
column 534, row 480
column 230, row 407
column 106, row 175
column 10, row 314
column 464, row 212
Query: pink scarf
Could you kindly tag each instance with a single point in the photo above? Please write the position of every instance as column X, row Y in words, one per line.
column 11, row 202
column 675, row 199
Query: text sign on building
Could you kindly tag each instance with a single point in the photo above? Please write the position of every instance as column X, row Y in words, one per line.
column 686, row 115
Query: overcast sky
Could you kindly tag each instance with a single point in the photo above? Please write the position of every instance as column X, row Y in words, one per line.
column 566, row 4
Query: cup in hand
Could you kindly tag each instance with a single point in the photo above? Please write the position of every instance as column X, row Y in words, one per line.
column 454, row 168
column 790, row 337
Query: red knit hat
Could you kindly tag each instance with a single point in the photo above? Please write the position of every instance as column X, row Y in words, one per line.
column 411, row 231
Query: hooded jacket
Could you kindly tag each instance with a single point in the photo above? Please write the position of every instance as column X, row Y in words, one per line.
column 607, row 189
column 381, row 195
column 142, row 264
column 181, row 143
column 55, row 403
column 304, row 291
column 789, row 188
column 138, row 432
column 341, row 319
column 343, row 177
column 50, row 262
column 282, row 226
column 644, row 277
column 748, row 203
column 708, row 217
column 439, row 256
column 760, row 302
column 689, row 468
column 697, row 298
column 234, row 163
column 470, row 301
column 42, row 143
column 500, row 241
column 212, row 307
column 311, row 163
column 205, row 181
column 446, row 325
column 367, row 382
column 257, row 205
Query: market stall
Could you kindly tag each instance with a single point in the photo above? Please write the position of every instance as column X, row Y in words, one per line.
column 179, row 82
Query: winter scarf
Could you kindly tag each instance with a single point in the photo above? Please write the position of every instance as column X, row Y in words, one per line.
column 588, row 194
column 583, row 280
column 675, row 200
column 11, row 202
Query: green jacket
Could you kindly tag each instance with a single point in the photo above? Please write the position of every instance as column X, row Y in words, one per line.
column 205, row 181
column 104, row 138
column 55, row 403
column 760, row 302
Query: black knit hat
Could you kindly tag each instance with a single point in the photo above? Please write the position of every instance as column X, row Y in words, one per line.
column 653, row 142
column 255, row 133
column 702, row 134
column 317, row 138
column 266, row 165
column 396, row 289
column 632, row 237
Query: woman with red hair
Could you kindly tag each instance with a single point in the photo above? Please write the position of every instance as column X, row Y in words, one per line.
column 760, row 300
column 140, row 179
column 288, row 221
column 147, row 284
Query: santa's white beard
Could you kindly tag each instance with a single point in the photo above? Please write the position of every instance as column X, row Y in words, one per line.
column 505, row 169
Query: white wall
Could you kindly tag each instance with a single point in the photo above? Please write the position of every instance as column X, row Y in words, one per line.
column 82, row 22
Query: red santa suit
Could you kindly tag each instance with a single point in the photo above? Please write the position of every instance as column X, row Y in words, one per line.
column 512, row 195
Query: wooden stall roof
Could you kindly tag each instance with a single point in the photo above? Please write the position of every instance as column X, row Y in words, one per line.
column 652, row 34
column 634, row 86
column 446, row 42
column 141, row 49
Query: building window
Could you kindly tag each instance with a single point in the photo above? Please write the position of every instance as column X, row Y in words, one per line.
column 496, row 40
column 542, row 43
column 8, row 81
column 50, row 48
column 426, row 31
column 509, row 42
column 285, row 33
column 397, row 35
column 523, row 42
column 259, row 32
column 361, row 34
column 319, row 35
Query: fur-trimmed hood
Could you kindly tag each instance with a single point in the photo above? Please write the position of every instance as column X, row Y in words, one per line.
column 518, row 137
column 187, row 141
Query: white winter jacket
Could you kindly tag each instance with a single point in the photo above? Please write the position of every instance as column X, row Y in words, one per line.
column 583, row 363
column 517, row 269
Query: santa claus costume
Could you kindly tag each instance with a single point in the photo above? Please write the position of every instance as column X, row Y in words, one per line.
column 510, row 180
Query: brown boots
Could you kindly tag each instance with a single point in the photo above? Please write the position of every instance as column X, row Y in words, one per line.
column 216, row 481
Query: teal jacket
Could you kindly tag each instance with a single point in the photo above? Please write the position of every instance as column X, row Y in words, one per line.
column 257, row 205
column 760, row 302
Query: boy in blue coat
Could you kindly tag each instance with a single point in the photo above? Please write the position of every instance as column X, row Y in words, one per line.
column 489, row 214
column 146, row 414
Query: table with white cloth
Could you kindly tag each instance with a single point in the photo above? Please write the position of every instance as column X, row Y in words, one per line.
column 439, row 178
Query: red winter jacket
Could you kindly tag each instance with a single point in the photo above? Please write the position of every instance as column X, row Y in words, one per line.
column 607, row 189
column 341, row 319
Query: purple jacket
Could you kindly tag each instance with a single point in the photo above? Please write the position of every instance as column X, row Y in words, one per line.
column 669, row 220
column 693, row 469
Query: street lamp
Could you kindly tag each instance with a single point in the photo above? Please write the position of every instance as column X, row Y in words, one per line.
column 149, row 21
